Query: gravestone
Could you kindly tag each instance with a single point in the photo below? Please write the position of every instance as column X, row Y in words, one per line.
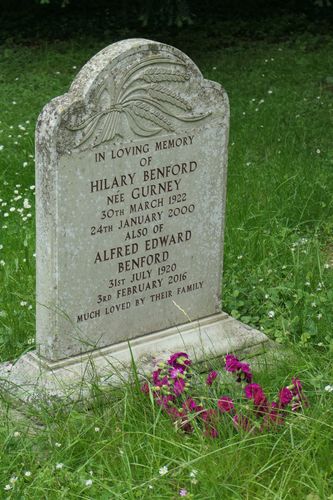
column 131, row 188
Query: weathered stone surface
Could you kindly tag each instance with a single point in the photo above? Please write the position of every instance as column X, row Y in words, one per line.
column 34, row 379
column 131, row 188
column 131, row 176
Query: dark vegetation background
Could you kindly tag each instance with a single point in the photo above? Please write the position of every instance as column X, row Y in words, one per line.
column 212, row 22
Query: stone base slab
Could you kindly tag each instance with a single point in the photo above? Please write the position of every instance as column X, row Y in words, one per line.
column 33, row 378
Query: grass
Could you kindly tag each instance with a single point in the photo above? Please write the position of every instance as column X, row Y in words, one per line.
column 277, row 276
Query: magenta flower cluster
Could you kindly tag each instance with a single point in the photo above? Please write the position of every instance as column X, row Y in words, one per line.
column 172, row 382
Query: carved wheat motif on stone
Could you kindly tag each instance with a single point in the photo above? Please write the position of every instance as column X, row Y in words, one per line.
column 144, row 99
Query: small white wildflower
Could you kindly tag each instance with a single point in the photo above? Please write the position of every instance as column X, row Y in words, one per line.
column 266, row 296
column 1, row 247
column 32, row 187
column 261, row 101
column 2, row 263
column 27, row 473
column 25, row 164
column 26, row 203
column 17, row 434
column 329, row 388
column 194, row 481
column 97, row 429
column 240, row 257
column 1, row 147
column 319, row 316
column 193, row 473
column 313, row 304
column 12, row 209
column 150, row 486
column 248, row 163
column 59, row 466
column 57, row 445
column 326, row 265
column 7, row 487
column 74, row 67
column 13, row 102
column 270, row 92
column 271, row 314
column 163, row 470
column 23, row 303
column 318, row 151
column 13, row 479
column 88, row 482
column 6, row 214
column 307, row 283
column 57, row 72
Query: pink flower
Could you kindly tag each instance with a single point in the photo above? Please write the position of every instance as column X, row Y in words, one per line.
column 297, row 389
column 156, row 379
column 225, row 404
column 211, row 377
column 164, row 400
column 252, row 389
column 183, row 492
column 256, row 393
column 211, row 432
column 175, row 372
column 179, row 359
column 299, row 398
column 261, row 404
column 191, row 405
column 231, row 363
column 173, row 412
column 179, row 386
column 208, row 415
column 285, row 396
column 244, row 372
column 145, row 388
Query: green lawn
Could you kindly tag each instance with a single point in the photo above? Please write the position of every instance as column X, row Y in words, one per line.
column 278, row 276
